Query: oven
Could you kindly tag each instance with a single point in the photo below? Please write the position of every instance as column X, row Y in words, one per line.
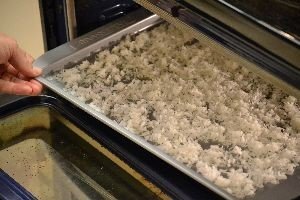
column 172, row 100
column 68, row 19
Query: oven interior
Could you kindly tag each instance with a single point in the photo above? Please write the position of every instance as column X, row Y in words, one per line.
column 53, row 159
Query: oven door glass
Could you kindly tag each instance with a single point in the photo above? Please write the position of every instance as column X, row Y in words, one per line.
column 53, row 159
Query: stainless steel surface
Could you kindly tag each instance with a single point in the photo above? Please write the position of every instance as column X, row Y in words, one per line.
column 251, row 30
column 82, row 47
column 280, row 17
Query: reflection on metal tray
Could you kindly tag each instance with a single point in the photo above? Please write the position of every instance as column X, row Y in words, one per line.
column 280, row 14
column 82, row 48
column 53, row 159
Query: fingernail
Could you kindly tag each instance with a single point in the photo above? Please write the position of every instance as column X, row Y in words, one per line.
column 37, row 70
column 23, row 90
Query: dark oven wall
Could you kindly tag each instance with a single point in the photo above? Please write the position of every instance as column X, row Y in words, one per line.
column 91, row 14
column 66, row 19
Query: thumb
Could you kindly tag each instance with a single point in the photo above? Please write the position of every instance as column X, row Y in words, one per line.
column 23, row 62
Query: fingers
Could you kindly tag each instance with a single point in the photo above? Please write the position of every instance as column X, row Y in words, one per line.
column 35, row 86
column 15, row 76
column 16, row 69
column 10, row 69
column 23, row 62
column 14, row 88
column 29, row 58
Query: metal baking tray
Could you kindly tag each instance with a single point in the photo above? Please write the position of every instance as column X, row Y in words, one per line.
column 73, row 52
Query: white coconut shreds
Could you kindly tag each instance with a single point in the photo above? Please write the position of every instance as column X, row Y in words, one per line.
column 202, row 109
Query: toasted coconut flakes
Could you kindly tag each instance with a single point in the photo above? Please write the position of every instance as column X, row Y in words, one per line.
column 202, row 109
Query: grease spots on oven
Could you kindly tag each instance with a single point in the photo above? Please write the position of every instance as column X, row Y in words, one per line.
column 57, row 164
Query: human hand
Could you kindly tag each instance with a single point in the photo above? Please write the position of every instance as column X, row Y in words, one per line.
column 16, row 70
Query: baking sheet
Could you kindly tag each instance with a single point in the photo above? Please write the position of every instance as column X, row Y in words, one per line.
column 71, row 53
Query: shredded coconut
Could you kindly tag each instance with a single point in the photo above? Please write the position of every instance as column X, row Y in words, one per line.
column 204, row 110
